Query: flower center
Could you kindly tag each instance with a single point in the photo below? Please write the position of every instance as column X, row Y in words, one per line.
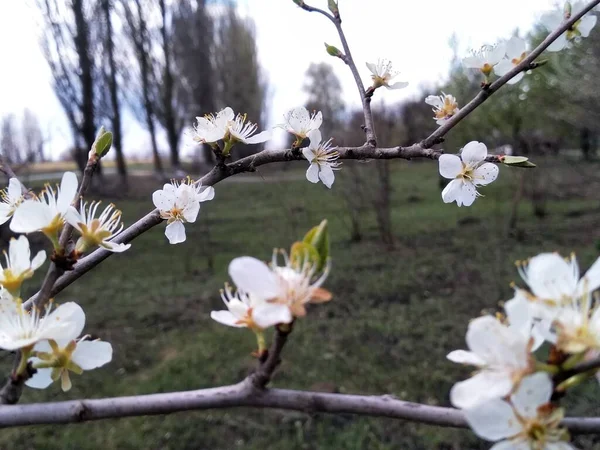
column 518, row 60
column 467, row 172
column 486, row 69
column 536, row 432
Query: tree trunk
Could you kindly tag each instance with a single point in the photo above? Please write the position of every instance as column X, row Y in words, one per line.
column 170, row 120
column 114, row 97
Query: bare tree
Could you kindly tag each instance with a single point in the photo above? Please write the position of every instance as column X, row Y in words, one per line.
column 32, row 137
column 136, row 30
column 9, row 143
column 113, row 89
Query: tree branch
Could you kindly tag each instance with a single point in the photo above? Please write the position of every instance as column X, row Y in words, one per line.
column 7, row 170
column 266, row 369
column 347, row 58
column 245, row 394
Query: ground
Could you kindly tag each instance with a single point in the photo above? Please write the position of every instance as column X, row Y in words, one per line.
column 394, row 317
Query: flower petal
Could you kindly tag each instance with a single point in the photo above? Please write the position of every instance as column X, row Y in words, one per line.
column 464, row 357
column 115, row 247
column 175, row 232
column 38, row 260
column 591, row 280
column 312, row 173
column 550, row 277
column 68, row 192
column 493, row 420
column 474, row 153
column 226, row 318
column 31, row 216
column 206, row 194
column 326, row 175
column 558, row 44
column 515, row 47
column 472, row 62
column 450, row 166
column 397, row 85
column 15, row 189
column 533, row 392
column 503, row 67
column 452, row 191
column 263, row 136
column 308, row 154
column 372, row 68
column 191, row 210
column 254, row 277
column 65, row 322
column 587, row 23
column 270, row 314
column 481, row 387
column 485, row 174
column 92, row 354
column 315, row 138
column 163, row 199
column 519, row 444
column 41, row 379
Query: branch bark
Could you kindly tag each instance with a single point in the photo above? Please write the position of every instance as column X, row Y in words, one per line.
column 245, row 394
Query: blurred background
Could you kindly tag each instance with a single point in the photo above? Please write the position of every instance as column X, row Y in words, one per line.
column 408, row 270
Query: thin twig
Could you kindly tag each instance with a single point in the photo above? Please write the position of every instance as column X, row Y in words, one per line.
column 265, row 370
column 6, row 169
column 347, row 58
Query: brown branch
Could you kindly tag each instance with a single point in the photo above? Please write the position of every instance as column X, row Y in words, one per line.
column 347, row 58
column 266, row 369
column 245, row 394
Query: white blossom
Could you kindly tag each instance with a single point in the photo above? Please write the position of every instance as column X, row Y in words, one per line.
column 22, row 329
column 563, row 301
column 250, row 311
column 96, row 231
column 322, row 158
column 10, row 199
column 300, row 122
column 179, row 203
column 500, row 352
column 467, row 171
column 210, row 128
column 582, row 28
column 444, row 107
column 293, row 285
column 485, row 58
column 242, row 131
column 516, row 51
column 55, row 358
column 528, row 421
column 19, row 265
column 382, row 75
column 46, row 213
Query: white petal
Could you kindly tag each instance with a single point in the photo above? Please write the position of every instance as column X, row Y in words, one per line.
column 552, row 20
column 74, row 218
column 41, row 379
column 65, row 322
column 452, row 191
column 19, row 254
column 591, row 280
column 472, row 62
column 38, row 260
column 397, row 85
column 68, row 192
column 5, row 212
column 317, row 121
column 518, row 444
column 549, row 276
column 270, row 314
column 206, row 194
column 533, row 392
column 434, row 100
column 474, row 152
column 312, row 173
column 450, row 166
column 115, row 247
column 558, row 44
column 254, row 276
column 163, row 199
column 191, row 210
column 226, row 318
column 315, row 138
column 518, row 77
column 493, row 420
column 31, row 216
column 515, row 47
column 326, row 175
column 481, row 387
column 587, row 23
column 263, row 136
column 372, row 68
column 308, row 153
column 15, row 189
column 485, row 174
column 175, row 232
column 464, row 357
column 497, row 54
column 92, row 354
column 555, row 446
column 503, row 67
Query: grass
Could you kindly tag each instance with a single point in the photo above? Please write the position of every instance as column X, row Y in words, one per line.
column 394, row 317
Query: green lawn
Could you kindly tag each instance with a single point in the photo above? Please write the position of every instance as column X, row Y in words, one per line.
column 394, row 317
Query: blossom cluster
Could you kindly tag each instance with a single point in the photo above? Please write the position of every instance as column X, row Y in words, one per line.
column 50, row 338
column 509, row 397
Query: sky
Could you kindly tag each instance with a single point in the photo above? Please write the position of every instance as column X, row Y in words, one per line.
column 414, row 35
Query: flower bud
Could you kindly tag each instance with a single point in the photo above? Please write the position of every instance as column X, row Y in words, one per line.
column 333, row 7
column 102, row 144
column 299, row 2
column 318, row 237
column 333, row 51
column 517, row 161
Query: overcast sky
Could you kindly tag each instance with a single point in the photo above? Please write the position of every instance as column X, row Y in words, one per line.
column 413, row 34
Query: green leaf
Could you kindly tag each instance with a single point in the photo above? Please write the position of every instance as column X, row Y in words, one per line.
column 300, row 252
column 103, row 142
column 333, row 7
column 318, row 237
column 518, row 161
